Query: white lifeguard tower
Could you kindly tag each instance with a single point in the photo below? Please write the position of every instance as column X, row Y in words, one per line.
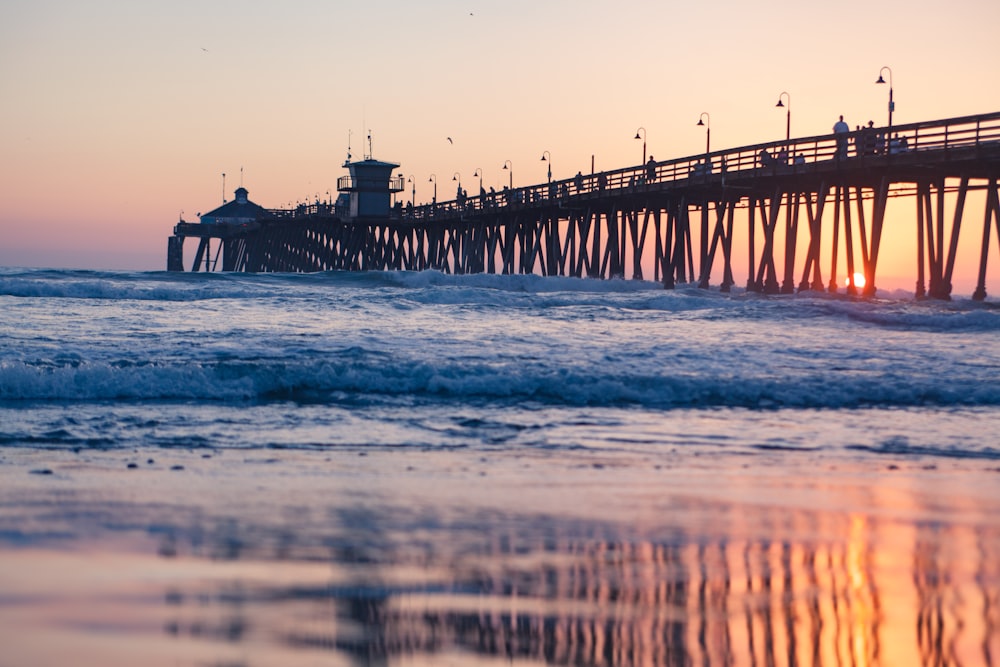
column 370, row 186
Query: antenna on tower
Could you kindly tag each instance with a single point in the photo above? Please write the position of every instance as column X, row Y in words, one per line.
column 223, row 187
column 348, row 146
column 241, row 177
column 369, row 156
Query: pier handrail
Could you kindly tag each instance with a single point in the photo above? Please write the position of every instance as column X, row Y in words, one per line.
column 966, row 132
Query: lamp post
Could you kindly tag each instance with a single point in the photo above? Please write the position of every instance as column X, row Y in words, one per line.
column 544, row 153
column 643, row 137
column 479, row 172
column 434, row 179
column 509, row 166
column 706, row 120
column 788, row 115
column 413, row 191
column 892, row 105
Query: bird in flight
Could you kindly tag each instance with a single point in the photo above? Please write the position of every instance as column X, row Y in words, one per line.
column 450, row 141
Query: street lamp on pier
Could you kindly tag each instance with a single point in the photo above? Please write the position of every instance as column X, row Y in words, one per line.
column 434, row 179
column 643, row 137
column 413, row 190
column 544, row 153
column 892, row 105
column 705, row 120
column 509, row 166
column 479, row 172
column 788, row 114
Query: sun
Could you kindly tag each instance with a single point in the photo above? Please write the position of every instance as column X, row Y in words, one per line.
column 859, row 280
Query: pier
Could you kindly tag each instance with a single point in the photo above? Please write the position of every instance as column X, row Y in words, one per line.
column 774, row 202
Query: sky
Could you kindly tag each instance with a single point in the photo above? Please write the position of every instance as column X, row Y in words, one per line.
column 118, row 118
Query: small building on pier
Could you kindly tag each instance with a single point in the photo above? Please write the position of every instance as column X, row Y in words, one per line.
column 239, row 211
column 370, row 188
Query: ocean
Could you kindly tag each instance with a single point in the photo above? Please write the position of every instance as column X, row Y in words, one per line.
column 423, row 469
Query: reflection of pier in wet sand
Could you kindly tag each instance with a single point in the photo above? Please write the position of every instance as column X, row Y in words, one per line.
column 242, row 559
column 579, row 593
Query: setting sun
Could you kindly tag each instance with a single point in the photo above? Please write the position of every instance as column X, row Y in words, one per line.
column 859, row 280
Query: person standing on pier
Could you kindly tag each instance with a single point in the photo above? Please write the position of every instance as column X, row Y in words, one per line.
column 842, row 131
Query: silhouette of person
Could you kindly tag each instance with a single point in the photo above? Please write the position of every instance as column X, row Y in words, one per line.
column 578, row 182
column 842, row 131
column 866, row 137
column 651, row 169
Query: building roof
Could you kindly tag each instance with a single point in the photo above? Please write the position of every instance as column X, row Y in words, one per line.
column 240, row 209
column 370, row 162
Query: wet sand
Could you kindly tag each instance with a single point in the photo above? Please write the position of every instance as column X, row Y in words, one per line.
column 462, row 557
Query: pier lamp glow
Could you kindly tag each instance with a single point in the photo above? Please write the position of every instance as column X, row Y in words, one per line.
column 434, row 179
column 892, row 105
column 788, row 114
column 643, row 137
column 508, row 165
column 705, row 120
column 544, row 153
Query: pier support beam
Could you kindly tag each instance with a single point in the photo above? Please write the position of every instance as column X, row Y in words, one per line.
column 992, row 218
column 815, row 236
column 175, row 253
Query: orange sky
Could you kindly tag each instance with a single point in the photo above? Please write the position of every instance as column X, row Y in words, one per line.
column 118, row 116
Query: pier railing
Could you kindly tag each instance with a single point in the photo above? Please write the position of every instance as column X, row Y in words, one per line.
column 868, row 146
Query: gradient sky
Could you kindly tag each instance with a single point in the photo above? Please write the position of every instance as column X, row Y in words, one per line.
column 117, row 116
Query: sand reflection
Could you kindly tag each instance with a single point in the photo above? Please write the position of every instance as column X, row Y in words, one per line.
column 537, row 591
column 544, row 560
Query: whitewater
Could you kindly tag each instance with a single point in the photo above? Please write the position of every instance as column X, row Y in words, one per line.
column 119, row 359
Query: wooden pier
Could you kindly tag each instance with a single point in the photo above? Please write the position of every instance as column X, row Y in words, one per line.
column 684, row 214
